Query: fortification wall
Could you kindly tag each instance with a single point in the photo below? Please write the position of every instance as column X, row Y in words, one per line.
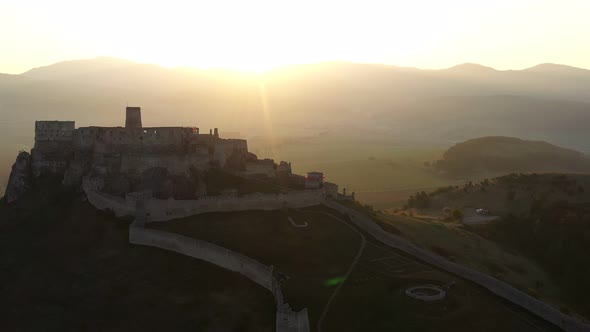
column 86, row 137
column 175, row 163
column 168, row 209
column 54, row 131
column 496, row 286
column 50, row 157
column 209, row 252
column 286, row 319
column 264, row 167
column 234, row 145
column 291, row 321
column 103, row 201
column 162, row 210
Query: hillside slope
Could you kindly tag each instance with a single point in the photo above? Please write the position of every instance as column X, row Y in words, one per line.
column 68, row 267
column 543, row 217
column 498, row 155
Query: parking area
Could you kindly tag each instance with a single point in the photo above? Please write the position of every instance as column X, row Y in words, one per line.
column 472, row 217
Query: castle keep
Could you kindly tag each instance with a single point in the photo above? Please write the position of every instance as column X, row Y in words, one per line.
column 133, row 148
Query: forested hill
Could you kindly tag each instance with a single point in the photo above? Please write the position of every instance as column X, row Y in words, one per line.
column 494, row 155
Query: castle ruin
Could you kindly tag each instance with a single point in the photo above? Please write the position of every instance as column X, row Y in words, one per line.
column 178, row 163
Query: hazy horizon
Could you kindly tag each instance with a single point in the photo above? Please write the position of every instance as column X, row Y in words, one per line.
column 132, row 61
column 262, row 35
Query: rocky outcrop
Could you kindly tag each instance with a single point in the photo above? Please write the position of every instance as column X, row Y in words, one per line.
column 20, row 178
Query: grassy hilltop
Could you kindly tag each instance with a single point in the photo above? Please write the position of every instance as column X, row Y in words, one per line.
column 501, row 155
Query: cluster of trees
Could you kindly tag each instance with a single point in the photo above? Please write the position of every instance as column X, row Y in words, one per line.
column 557, row 235
column 420, row 200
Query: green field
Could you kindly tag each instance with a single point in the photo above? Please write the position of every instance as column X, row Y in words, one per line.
column 374, row 299
column 381, row 172
column 310, row 256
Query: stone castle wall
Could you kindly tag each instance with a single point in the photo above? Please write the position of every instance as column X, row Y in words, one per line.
column 209, row 252
column 62, row 149
column 162, row 210
column 177, row 164
column 287, row 320
column 168, row 209
column 54, row 131
column 265, row 167
column 494, row 285
column 86, row 137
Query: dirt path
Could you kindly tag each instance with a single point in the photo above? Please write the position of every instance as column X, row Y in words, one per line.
column 348, row 272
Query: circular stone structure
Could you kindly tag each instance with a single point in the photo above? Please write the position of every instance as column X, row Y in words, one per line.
column 426, row 293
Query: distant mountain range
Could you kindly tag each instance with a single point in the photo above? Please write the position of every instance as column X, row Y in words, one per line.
column 366, row 101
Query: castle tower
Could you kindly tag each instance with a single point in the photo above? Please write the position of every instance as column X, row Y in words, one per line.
column 133, row 119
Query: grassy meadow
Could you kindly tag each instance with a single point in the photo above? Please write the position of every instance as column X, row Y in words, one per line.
column 269, row 237
column 453, row 241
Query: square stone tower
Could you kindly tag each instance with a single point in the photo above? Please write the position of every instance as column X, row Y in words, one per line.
column 133, row 118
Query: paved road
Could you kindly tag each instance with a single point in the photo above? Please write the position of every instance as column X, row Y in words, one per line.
column 348, row 272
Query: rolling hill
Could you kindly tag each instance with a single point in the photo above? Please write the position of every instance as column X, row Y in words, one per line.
column 501, row 155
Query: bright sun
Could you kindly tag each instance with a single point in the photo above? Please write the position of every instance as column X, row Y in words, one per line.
column 258, row 35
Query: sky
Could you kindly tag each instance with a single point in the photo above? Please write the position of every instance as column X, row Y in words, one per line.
column 258, row 35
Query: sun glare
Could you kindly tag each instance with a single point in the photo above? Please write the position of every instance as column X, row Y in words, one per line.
column 258, row 35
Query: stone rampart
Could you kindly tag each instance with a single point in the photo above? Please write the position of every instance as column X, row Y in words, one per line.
column 287, row 320
column 175, row 163
column 162, row 210
column 86, row 137
column 209, row 252
column 54, row 131
column 496, row 286
column 168, row 209
column 103, row 201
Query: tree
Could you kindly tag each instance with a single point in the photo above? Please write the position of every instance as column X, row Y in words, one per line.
column 420, row 200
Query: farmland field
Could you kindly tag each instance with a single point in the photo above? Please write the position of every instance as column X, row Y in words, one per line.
column 380, row 172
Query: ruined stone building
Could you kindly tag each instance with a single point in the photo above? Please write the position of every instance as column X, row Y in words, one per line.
column 166, row 160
